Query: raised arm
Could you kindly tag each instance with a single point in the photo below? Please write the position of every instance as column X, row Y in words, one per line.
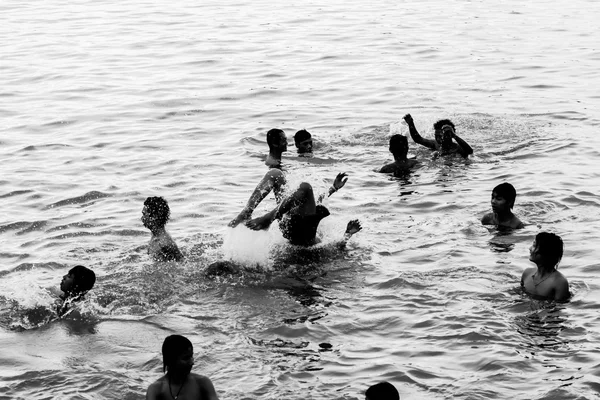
column 463, row 147
column 414, row 134
column 338, row 183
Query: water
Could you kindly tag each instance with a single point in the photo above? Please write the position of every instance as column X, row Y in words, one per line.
column 105, row 104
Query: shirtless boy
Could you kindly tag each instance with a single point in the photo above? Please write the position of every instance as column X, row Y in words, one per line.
column 303, row 142
column 399, row 149
column 545, row 281
column 74, row 286
column 155, row 216
column 503, row 200
column 179, row 382
column 446, row 140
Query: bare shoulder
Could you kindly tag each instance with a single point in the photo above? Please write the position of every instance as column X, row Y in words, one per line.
column 386, row 169
column 516, row 223
column 488, row 219
column 206, row 386
column 155, row 389
column 527, row 272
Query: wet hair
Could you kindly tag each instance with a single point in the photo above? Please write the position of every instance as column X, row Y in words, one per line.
column 398, row 141
column 301, row 136
column 506, row 191
column 173, row 347
column 83, row 279
column 382, row 391
column 550, row 246
column 273, row 136
column 438, row 125
column 158, row 209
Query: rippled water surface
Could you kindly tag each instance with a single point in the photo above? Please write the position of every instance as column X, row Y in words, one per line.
column 103, row 104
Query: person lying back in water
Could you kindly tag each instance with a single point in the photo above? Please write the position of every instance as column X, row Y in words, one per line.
column 544, row 280
column 74, row 285
column 155, row 216
column 445, row 138
column 299, row 215
column 399, row 149
column 503, row 200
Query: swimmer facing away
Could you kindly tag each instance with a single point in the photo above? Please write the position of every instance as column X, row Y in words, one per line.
column 446, row 140
column 399, row 149
column 544, row 280
column 74, row 285
column 382, row 391
column 503, row 200
column 155, row 216
column 299, row 214
column 179, row 383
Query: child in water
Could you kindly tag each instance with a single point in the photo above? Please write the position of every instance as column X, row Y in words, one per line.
column 155, row 216
column 179, row 382
column 503, row 200
column 74, row 286
column 382, row 391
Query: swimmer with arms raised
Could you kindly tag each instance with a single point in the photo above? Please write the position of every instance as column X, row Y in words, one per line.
column 399, row 149
column 503, row 200
column 545, row 281
column 300, row 215
column 445, row 138
column 179, row 382
column 155, row 216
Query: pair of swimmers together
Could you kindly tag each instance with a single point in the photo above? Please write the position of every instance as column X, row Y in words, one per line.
column 179, row 383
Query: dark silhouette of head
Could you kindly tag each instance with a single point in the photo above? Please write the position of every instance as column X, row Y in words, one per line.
column 83, row 279
column 275, row 139
column 156, row 212
column 439, row 124
column 303, row 141
column 507, row 192
column 173, row 347
column 550, row 247
column 398, row 145
column 382, row 391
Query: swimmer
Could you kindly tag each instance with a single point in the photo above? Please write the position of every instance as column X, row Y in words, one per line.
column 155, row 216
column 503, row 200
column 399, row 149
column 545, row 281
column 179, row 382
column 382, row 391
column 299, row 214
column 303, row 142
column 274, row 180
column 74, row 286
column 444, row 134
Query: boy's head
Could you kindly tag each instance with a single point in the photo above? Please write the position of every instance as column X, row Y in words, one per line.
column 382, row 391
column 156, row 212
column 443, row 130
column 178, row 355
column 78, row 281
column 277, row 140
column 549, row 246
column 507, row 192
column 398, row 145
column 303, row 141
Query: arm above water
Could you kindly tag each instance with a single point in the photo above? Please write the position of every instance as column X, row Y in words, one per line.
column 273, row 180
column 463, row 147
column 414, row 134
column 338, row 183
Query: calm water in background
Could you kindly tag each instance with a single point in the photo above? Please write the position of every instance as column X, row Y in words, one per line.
column 104, row 104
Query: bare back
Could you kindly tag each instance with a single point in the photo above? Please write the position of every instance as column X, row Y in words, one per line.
column 195, row 387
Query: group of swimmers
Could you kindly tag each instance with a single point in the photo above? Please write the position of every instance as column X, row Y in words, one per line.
column 299, row 215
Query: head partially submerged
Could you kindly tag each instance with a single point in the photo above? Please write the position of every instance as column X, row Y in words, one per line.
column 382, row 391
column 503, row 197
column 303, row 141
column 443, row 131
column 547, row 249
column 399, row 146
column 78, row 281
column 276, row 140
column 155, row 213
column 178, row 355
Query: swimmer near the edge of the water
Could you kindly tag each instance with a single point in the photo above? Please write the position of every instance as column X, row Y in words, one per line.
column 544, row 280
column 444, row 135
column 155, row 216
column 179, row 383
column 399, row 149
column 503, row 200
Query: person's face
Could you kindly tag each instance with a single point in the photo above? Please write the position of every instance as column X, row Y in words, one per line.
column 282, row 142
column 184, row 363
column 305, row 146
column 146, row 220
column 67, row 283
column 534, row 252
column 443, row 136
column 499, row 203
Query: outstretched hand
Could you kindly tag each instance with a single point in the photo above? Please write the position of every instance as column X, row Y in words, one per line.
column 353, row 227
column 408, row 119
column 340, row 181
column 259, row 223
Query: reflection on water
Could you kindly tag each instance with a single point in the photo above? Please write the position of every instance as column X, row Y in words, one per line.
column 541, row 326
